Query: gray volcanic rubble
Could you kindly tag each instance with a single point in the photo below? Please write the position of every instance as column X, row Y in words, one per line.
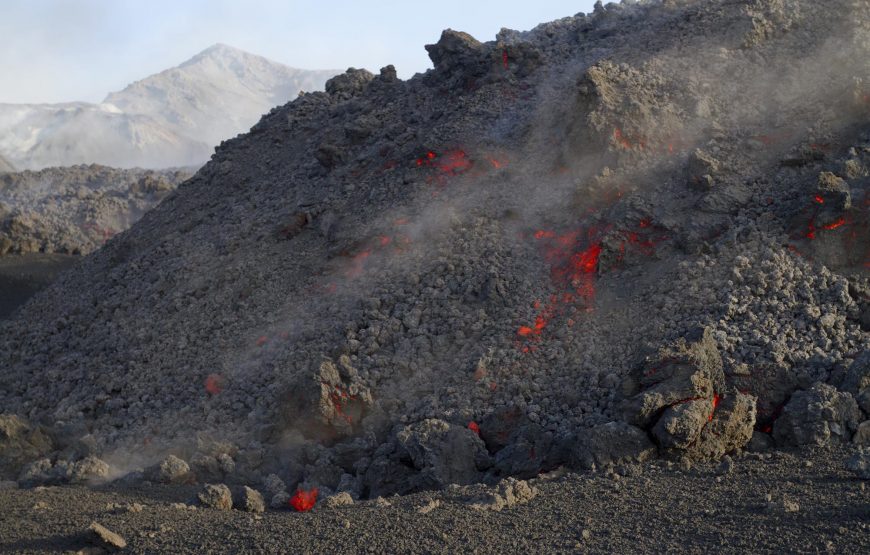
column 637, row 233
column 75, row 210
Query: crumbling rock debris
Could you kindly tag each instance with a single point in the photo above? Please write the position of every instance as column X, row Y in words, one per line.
column 834, row 199
column 506, row 494
column 171, row 470
column 340, row 499
column 281, row 500
column 20, row 443
column 105, row 538
column 330, row 402
column 701, row 170
column 44, row 471
column 75, row 210
column 216, row 496
column 530, row 451
column 207, row 467
column 817, row 416
column 248, row 500
column 438, row 212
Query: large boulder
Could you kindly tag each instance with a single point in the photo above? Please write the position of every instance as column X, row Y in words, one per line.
column 443, row 454
column 171, row 470
column 856, row 381
column 349, row 83
column 610, row 444
column 684, row 402
column 689, row 369
column 458, row 54
column 818, row 416
column 729, row 428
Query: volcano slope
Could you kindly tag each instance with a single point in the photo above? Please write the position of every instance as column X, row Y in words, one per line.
column 634, row 234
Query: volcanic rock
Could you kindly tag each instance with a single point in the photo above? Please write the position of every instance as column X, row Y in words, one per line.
column 859, row 463
column 349, row 83
column 20, row 443
column 75, row 210
column 817, row 416
column 458, row 54
column 248, row 500
column 862, row 434
column 330, row 402
column 280, row 500
column 442, row 454
column 701, row 169
column 341, row 499
column 105, row 538
column 730, row 428
column 170, row 470
column 540, row 224
column 689, row 369
column 216, row 496
column 508, row 493
column 611, row 444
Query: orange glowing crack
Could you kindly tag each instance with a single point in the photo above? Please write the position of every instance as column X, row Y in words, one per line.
column 840, row 222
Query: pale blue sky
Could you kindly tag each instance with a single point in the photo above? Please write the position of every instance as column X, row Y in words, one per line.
column 63, row 50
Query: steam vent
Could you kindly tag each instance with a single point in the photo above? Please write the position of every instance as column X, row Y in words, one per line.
column 626, row 240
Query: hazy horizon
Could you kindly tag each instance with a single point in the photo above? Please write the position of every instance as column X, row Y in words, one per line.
column 78, row 51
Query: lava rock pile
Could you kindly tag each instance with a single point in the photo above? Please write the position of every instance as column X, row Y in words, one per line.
column 640, row 232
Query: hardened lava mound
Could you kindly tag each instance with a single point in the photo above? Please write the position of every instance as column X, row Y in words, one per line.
column 637, row 233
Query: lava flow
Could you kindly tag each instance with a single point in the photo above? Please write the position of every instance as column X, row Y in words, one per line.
column 304, row 500
column 572, row 271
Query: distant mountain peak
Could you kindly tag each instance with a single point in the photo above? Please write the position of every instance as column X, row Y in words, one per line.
column 171, row 118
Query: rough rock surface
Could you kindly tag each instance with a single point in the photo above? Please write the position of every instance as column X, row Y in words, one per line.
column 75, row 210
column 105, row 538
column 216, row 496
column 170, row 470
column 248, row 500
column 510, row 233
column 20, row 443
column 818, row 416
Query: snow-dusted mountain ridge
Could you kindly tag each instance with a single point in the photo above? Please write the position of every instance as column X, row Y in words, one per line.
column 172, row 118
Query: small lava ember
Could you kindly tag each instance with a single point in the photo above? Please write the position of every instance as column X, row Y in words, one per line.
column 304, row 500
column 214, row 384
column 474, row 427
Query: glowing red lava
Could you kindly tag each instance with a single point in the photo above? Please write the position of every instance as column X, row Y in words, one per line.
column 716, row 399
column 474, row 427
column 834, row 225
column 819, row 199
column 304, row 500
column 504, row 59
column 214, row 384
column 572, row 272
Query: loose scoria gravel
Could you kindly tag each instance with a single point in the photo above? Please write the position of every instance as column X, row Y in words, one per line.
column 637, row 233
